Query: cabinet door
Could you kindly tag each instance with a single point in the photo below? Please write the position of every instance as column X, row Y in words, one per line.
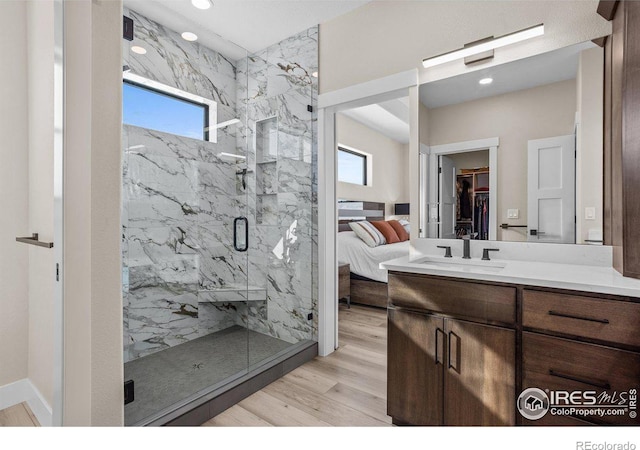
column 414, row 368
column 479, row 383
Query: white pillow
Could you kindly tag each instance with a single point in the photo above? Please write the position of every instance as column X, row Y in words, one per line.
column 406, row 225
column 368, row 233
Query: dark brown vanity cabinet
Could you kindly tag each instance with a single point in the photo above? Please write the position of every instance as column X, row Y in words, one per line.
column 575, row 343
column 415, row 368
column 458, row 354
column 446, row 364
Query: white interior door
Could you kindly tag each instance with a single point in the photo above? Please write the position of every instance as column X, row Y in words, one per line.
column 448, row 194
column 551, row 190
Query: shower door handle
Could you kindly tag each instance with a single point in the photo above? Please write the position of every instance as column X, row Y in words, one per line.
column 241, row 234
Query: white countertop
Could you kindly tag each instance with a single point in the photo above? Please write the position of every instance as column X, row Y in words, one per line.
column 562, row 276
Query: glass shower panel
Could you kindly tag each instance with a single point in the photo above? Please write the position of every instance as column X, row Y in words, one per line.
column 184, row 282
column 282, row 160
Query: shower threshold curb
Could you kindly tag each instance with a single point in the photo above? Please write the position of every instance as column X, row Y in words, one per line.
column 208, row 403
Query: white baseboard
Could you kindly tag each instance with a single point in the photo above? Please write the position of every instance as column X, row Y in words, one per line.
column 14, row 393
column 24, row 391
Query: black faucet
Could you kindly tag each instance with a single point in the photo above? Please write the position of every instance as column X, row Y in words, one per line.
column 485, row 253
column 447, row 250
column 466, row 247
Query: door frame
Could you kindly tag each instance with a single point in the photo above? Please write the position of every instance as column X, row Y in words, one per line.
column 57, row 409
column 329, row 104
column 491, row 144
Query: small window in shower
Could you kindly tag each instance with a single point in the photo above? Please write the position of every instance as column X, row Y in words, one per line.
column 161, row 108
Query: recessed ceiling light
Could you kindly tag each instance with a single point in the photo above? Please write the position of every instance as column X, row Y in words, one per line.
column 139, row 50
column 314, row 74
column 201, row 4
column 189, row 36
column 486, row 81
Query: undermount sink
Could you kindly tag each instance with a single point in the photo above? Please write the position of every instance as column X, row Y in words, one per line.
column 461, row 264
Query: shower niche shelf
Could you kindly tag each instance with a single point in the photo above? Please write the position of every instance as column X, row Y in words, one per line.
column 267, row 171
column 232, row 294
column 267, row 140
column 267, row 178
column 267, row 209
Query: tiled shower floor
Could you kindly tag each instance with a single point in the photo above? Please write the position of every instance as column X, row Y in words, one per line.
column 171, row 375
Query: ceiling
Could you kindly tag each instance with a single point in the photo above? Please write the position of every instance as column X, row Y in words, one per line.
column 231, row 26
column 389, row 118
column 526, row 73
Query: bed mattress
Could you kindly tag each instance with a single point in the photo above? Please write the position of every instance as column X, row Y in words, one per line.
column 364, row 260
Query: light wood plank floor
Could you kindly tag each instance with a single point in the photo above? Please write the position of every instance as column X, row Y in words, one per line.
column 347, row 388
column 18, row 416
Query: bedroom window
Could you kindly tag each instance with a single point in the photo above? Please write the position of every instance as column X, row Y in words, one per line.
column 352, row 166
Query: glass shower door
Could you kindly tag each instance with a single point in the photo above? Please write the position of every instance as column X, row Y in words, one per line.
column 281, row 155
column 184, row 264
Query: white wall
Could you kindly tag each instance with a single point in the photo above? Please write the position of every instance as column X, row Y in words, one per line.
column 107, row 393
column 93, row 293
column 515, row 118
column 589, row 141
column 14, row 184
column 389, row 179
column 41, row 264
column 387, row 37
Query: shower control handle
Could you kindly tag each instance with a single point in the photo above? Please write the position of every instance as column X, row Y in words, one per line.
column 241, row 234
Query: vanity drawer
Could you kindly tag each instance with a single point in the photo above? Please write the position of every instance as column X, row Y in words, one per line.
column 561, row 364
column 457, row 298
column 605, row 320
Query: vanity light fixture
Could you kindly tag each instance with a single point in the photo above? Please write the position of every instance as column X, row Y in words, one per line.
column 487, row 80
column 202, row 4
column 484, row 46
column 189, row 36
column 139, row 50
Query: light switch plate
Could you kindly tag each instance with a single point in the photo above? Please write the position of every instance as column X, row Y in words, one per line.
column 513, row 213
column 590, row 213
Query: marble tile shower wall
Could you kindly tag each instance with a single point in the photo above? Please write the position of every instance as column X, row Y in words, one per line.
column 180, row 198
column 282, row 89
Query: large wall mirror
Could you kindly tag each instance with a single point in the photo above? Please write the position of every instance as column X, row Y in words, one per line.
column 514, row 152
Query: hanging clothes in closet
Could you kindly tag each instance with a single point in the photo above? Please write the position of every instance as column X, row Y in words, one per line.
column 481, row 216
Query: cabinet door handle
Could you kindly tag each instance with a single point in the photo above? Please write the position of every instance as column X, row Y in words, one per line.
column 596, row 383
column 438, row 331
column 572, row 316
column 457, row 358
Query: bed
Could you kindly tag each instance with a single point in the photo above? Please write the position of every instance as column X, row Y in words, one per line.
column 368, row 281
